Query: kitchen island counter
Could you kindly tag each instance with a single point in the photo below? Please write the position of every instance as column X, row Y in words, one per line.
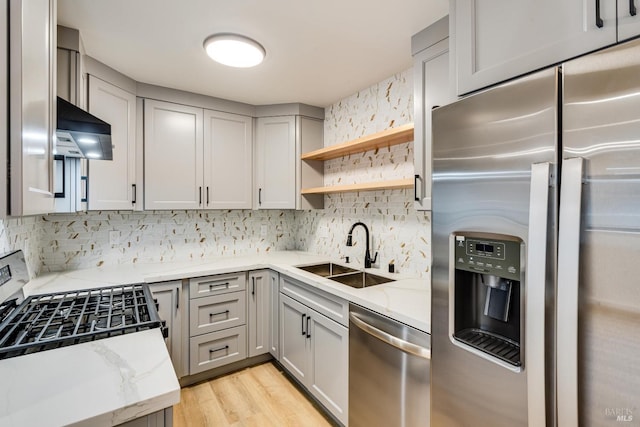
column 100, row 383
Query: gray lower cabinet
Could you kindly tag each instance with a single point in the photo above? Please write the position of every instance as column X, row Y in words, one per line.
column 217, row 321
column 162, row 418
column 169, row 298
column 216, row 349
column 259, row 307
column 217, row 312
column 315, row 349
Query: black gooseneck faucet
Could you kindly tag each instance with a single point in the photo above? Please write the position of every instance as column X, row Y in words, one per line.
column 367, row 255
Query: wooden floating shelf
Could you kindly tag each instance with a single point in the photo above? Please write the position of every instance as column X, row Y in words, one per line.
column 386, row 138
column 366, row 186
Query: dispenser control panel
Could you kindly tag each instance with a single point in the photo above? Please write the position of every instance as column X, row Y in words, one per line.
column 485, row 249
column 498, row 256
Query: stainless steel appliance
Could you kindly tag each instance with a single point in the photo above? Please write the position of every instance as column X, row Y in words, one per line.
column 536, row 241
column 49, row 321
column 388, row 371
column 80, row 134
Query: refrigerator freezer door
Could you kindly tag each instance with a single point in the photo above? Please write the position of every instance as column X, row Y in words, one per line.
column 601, row 124
column 483, row 152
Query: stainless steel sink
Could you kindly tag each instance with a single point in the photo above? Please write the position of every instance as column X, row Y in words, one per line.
column 360, row 279
column 345, row 275
column 327, row 269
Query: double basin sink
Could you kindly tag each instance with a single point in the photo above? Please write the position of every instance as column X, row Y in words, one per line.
column 345, row 275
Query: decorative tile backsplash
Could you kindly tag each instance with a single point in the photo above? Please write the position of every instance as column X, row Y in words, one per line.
column 83, row 240
column 22, row 233
column 398, row 232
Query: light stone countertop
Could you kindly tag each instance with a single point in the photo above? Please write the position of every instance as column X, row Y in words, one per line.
column 99, row 383
column 113, row 380
column 406, row 299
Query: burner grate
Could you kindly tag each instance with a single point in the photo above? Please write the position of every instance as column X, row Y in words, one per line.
column 43, row 322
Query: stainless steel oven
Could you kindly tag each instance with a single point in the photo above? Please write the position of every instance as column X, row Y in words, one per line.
column 389, row 371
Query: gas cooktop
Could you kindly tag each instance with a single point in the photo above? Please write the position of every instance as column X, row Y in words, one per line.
column 44, row 322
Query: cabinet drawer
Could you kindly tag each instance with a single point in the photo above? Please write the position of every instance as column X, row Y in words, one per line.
column 217, row 349
column 217, row 312
column 219, row 284
column 331, row 306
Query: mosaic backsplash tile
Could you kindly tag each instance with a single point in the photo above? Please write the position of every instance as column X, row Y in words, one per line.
column 83, row 240
column 24, row 234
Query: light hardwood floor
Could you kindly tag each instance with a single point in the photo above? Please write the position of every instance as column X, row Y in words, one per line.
column 257, row 396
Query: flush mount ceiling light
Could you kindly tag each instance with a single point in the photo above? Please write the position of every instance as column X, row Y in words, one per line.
column 234, row 50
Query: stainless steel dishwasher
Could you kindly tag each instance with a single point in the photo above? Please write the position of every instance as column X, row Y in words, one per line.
column 389, row 372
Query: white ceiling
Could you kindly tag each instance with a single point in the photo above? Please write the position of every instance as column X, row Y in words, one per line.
column 318, row 51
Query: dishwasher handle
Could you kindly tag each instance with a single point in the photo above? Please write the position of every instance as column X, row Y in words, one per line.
column 385, row 337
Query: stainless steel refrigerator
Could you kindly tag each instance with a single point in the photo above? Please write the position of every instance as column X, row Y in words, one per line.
column 536, row 249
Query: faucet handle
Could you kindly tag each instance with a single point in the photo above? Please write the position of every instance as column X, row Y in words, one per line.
column 375, row 257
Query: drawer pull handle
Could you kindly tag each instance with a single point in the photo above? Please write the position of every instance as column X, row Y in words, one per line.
column 632, row 8
column 218, row 314
column 213, row 285
column 599, row 21
column 308, row 329
column 302, row 327
column 213, row 350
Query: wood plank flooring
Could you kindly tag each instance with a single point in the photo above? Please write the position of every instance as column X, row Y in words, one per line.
column 258, row 396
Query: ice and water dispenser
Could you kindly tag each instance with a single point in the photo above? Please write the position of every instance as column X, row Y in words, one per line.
column 487, row 299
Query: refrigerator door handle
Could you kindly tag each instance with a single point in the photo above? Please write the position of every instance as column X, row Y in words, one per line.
column 535, row 293
column 567, row 300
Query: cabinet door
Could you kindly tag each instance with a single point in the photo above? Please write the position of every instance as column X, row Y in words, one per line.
column 228, row 177
column 259, row 312
column 431, row 89
column 497, row 40
column 276, row 162
column 329, row 365
column 168, row 297
column 274, row 327
column 172, row 156
column 32, row 113
column 628, row 19
column 112, row 183
column 294, row 354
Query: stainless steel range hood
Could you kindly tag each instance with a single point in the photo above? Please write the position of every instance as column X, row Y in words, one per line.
column 80, row 134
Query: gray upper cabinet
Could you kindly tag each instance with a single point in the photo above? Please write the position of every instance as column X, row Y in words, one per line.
column 173, row 147
column 228, row 152
column 283, row 133
column 432, row 89
column 32, row 112
column 113, row 184
column 628, row 19
column 276, row 162
column 497, row 40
